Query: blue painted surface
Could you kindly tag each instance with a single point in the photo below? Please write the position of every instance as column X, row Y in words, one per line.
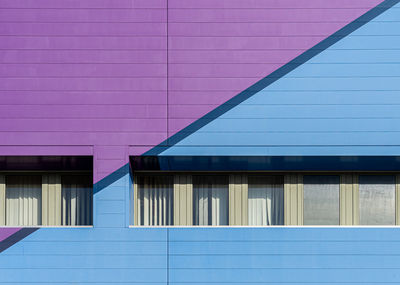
column 204, row 256
column 341, row 101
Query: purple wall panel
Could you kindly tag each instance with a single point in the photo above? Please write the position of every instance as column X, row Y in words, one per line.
column 78, row 15
column 90, row 76
column 48, row 97
column 262, row 15
column 273, row 4
column 83, row 43
column 84, row 112
column 70, row 70
column 73, row 4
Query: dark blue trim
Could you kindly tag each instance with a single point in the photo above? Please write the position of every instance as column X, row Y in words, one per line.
column 43, row 163
column 274, row 76
column 266, row 163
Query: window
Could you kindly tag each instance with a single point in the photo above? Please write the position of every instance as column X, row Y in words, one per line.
column 210, row 200
column 265, row 198
column 321, row 200
column 52, row 199
column 76, row 200
column 377, row 200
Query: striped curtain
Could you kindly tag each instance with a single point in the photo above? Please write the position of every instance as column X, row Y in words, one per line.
column 24, row 200
column 76, row 201
column 265, row 200
column 210, row 200
column 155, row 201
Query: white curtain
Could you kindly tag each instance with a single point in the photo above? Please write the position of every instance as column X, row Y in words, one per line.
column 76, row 208
column 210, row 205
column 265, row 201
column 155, row 201
column 24, row 200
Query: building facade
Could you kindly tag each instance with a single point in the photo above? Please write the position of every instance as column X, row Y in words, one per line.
column 229, row 142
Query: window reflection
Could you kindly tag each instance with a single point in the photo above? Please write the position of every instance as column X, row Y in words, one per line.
column 321, row 200
column 377, row 199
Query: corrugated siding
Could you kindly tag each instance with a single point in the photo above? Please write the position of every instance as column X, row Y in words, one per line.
column 204, row 256
column 283, row 256
column 90, row 77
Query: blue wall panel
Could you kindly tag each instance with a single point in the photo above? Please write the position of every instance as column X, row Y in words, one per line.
column 284, row 255
column 87, row 255
column 204, row 256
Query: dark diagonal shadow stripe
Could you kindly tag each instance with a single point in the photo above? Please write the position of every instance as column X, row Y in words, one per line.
column 14, row 238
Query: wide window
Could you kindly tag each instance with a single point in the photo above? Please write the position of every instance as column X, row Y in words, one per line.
column 321, row 200
column 49, row 199
column 377, row 200
column 264, row 199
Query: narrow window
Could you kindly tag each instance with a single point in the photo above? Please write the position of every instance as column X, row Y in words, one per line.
column 76, row 200
column 265, row 198
column 155, row 201
column 377, row 199
column 24, row 200
column 210, row 200
column 321, row 200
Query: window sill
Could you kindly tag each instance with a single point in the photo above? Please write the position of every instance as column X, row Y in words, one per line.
column 261, row 227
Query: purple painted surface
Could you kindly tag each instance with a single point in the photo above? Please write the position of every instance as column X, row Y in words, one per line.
column 6, row 232
column 90, row 76
column 273, row 4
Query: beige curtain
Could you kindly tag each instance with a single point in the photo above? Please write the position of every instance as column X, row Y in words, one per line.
column 155, row 201
column 76, row 201
column 23, row 200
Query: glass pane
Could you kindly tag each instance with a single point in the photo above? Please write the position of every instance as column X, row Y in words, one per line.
column 377, row 199
column 210, row 200
column 321, row 200
column 265, row 200
column 76, row 200
column 24, row 200
column 155, row 201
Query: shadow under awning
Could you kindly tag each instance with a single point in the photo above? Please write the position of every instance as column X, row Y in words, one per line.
column 266, row 163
